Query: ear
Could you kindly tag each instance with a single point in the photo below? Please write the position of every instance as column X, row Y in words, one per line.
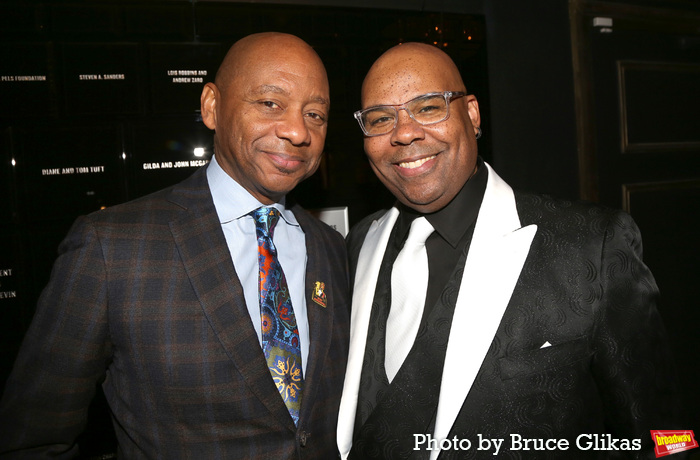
column 210, row 94
column 473, row 110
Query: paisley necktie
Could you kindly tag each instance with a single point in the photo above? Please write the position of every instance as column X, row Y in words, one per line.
column 280, row 334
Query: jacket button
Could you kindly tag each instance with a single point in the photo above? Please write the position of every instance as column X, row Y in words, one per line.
column 302, row 438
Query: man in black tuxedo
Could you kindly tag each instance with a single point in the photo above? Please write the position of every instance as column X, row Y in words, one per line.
column 538, row 321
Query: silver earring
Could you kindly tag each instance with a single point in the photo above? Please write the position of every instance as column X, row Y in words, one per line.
column 478, row 132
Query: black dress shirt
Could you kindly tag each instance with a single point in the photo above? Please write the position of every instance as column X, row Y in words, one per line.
column 454, row 226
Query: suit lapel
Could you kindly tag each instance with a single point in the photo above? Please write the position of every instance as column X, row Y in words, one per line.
column 366, row 274
column 496, row 256
column 207, row 261
column 320, row 317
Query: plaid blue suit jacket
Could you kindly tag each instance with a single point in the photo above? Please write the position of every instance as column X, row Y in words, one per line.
column 144, row 299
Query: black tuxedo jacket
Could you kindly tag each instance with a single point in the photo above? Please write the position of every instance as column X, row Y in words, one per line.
column 555, row 335
column 144, row 299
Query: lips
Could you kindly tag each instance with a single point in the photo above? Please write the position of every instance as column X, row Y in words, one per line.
column 416, row 163
column 285, row 161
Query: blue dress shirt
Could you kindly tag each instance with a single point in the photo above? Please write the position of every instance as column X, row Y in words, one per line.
column 233, row 204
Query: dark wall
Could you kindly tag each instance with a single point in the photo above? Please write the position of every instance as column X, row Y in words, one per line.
column 532, row 95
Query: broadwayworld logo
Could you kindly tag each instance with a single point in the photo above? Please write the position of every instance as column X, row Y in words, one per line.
column 669, row 442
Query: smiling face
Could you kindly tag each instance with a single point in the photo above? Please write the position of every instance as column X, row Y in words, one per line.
column 423, row 166
column 269, row 108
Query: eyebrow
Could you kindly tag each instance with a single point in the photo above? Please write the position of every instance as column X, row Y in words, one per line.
column 264, row 89
column 320, row 100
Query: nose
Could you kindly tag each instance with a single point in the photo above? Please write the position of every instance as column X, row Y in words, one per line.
column 293, row 128
column 407, row 129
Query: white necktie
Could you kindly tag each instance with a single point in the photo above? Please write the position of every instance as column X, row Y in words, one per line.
column 409, row 285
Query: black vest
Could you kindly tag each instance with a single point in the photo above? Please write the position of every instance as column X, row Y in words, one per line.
column 388, row 415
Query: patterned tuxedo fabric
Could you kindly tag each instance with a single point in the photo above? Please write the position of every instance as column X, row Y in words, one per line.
column 579, row 349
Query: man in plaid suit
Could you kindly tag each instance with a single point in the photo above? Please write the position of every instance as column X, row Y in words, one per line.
column 154, row 301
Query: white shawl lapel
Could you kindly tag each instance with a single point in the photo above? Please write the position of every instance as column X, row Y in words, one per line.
column 496, row 256
column 366, row 275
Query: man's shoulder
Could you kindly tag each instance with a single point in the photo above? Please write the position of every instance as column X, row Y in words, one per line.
column 536, row 208
column 356, row 236
column 310, row 223
column 577, row 221
column 158, row 207
column 359, row 230
column 321, row 232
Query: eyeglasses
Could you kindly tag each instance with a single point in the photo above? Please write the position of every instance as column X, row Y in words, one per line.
column 427, row 109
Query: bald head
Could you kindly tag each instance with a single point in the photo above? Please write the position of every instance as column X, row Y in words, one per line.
column 255, row 49
column 407, row 67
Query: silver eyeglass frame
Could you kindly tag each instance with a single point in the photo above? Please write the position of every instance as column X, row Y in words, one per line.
column 448, row 95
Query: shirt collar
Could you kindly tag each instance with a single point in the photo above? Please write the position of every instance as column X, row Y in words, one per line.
column 232, row 201
column 452, row 221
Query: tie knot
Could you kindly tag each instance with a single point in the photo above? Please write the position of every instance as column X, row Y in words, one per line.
column 420, row 231
column 265, row 219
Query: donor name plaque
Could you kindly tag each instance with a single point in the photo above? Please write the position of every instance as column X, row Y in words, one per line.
column 101, row 78
column 77, row 173
column 19, row 78
column 78, row 170
column 165, row 153
column 188, row 76
column 107, row 76
column 175, row 164
column 25, row 88
column 178, row 74
column 7, row 290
